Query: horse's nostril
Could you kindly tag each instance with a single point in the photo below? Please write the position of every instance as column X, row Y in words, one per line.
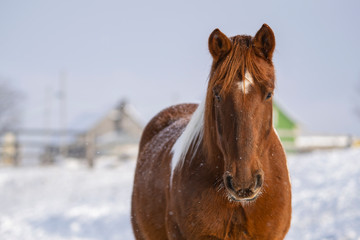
column 258, row 181
column 229, row 182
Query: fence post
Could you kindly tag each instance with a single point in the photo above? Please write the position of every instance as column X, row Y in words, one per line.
column 90, row 149
column 10, row 149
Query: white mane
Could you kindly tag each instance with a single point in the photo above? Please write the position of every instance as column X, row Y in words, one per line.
column 193, row 130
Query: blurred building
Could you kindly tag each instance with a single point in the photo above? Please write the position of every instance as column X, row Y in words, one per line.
column 116, row 134
column 295, row 139
column 286, row 127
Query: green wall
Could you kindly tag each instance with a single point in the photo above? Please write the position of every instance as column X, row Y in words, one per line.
column 285, row 127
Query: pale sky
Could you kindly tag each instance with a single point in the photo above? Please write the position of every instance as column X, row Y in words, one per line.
column 154, row 53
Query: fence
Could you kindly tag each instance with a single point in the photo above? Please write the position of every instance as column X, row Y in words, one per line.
column 44, row 146
column 33, row 146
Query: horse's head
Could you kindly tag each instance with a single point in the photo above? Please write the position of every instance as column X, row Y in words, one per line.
column 238, row 115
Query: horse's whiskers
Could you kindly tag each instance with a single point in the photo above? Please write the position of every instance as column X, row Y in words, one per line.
column 220, row 187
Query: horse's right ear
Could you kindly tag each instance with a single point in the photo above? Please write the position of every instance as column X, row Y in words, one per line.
column 219, row 44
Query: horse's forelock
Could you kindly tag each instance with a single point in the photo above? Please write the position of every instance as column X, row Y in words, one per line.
column 240, row 59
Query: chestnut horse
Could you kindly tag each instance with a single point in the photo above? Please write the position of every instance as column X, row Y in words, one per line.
column 217, row 170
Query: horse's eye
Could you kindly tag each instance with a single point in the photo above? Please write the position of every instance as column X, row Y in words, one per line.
column 268, row 96
column 218, row 98
column 216, row 93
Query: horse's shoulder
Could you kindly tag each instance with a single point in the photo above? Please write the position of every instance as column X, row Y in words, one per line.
column 164, row 119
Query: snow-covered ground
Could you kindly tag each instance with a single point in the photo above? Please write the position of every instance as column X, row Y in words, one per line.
column 74, row 203
column 326, row 195
column 66, row 202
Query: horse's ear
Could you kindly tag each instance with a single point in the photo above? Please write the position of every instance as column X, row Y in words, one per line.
column 264, row 42
column 219, row 44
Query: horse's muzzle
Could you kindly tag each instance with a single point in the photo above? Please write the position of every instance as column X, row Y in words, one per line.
column 247, row 193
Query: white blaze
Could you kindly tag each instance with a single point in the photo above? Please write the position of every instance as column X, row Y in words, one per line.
column 245, row 87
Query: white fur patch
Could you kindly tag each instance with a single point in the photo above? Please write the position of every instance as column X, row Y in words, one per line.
column 193, row 130
column 245, row 87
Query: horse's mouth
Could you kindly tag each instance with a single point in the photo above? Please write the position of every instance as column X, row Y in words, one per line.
column 235, row 198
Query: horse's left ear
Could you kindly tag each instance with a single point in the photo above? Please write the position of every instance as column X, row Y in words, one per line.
column 264, row 42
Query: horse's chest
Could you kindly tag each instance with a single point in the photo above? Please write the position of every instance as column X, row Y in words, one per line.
column 217, row 222
column 206, row 214
column 230, row 225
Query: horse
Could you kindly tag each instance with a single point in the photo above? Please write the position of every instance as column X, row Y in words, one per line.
column 217, row 170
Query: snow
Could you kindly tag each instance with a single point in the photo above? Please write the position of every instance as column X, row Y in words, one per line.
column 326, row 195
column 72, row 202
column 66, row 202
